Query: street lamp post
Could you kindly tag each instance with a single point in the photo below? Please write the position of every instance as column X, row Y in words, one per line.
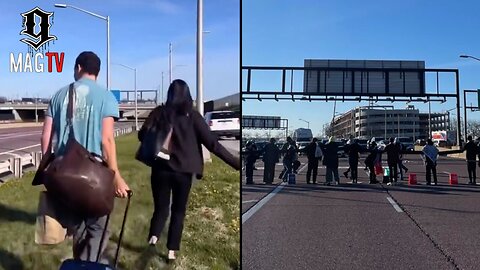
column 429, row 121
column 170, row 61
column 469, row 56
column 308, row 123
column 162, row 88
column 135, row 89
column 199, row 99
column 448, row 118
column 385, row 117
column 105, row 18
column 170, row 72
column 36, row 109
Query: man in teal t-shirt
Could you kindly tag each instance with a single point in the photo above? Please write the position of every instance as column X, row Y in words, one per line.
column 94, row 111
column 92, row 104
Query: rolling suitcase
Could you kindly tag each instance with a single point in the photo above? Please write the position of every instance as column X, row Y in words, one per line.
column 292, row 179
column 72, row 264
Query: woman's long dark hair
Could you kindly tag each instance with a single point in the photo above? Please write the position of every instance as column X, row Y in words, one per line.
column 179, row 102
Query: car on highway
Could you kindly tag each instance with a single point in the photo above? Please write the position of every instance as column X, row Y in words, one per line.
column 280, row 144
column 341, row 148
column 224, row 123
column 407, row 143
column 363, row 143
column 421, row 142
column 442, row 143
column 301, row 147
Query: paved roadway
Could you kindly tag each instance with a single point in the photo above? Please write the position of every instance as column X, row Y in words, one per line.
column 362, row 226
column 232, row 145
column 24, row 140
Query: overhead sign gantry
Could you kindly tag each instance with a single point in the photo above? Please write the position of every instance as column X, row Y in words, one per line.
column 352, row 80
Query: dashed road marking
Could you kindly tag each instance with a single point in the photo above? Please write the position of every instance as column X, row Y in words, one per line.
column 19, row 149
column 249, row 201
column 395, row 205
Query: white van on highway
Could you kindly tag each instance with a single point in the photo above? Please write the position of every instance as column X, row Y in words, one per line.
column 224, row 123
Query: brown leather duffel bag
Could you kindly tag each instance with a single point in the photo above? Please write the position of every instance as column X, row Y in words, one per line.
column 79, row 178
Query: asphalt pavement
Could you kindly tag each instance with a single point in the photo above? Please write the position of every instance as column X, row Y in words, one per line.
column 24, row 140
column 232, row 145
column 362, row 226
column 16, row 142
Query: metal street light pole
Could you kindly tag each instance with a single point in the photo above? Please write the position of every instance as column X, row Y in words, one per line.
column 465, row 109
column 199, row 99
column 385, row 123
column 162, row 87
column 385, row 117
column 308, row 123
column 429, row 121
column 135, row 89
column 170, row 72
column 469, row 56
column 448, row 118
column 107, row 19
column 36, row 109
column 170, row 62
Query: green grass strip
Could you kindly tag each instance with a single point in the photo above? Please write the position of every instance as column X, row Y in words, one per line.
column 211, row 234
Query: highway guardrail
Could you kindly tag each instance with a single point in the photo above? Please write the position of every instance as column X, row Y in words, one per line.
column 16, row 166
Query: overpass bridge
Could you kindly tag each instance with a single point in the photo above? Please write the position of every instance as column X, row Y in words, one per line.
column 29, row 112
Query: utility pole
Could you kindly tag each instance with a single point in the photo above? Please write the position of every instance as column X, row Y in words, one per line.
column 429, row 121
column 162, row 87
column 199, row 99
column 170, row 61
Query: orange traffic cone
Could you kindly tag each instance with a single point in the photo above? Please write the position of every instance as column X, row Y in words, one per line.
column 412, row 179
column 453, row 180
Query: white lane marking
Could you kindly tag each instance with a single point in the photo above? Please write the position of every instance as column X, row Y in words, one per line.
column 249, row 201
column 19, row 149
column 10, row 136
column 446, row 172
column 394, row 204
column 262, row 202
column 351, row 182
column 14, row 155
column 303, row 168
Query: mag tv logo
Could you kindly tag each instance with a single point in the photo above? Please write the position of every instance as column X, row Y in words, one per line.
column 36, row 27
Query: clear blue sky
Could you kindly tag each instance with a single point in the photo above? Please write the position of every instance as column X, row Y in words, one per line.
column 284, row 33
column 140, row 33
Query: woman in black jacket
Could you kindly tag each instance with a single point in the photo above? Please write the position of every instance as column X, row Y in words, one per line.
column 174, row 175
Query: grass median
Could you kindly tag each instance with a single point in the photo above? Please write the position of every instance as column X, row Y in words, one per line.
column 211, row 235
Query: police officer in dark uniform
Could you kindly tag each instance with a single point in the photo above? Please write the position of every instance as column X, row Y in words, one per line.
column 310, row 150
column 472, row 151
column 354, row 150
column 370, row 161
column 251, row 158
column 271, row 155
column 393, row 158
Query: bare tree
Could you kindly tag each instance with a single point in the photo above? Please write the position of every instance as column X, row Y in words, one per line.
column 280, row 135
column 328, row 129
column 454, row 127
column 473, row 128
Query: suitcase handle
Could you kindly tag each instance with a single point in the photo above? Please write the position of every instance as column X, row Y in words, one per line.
column 130, row 194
